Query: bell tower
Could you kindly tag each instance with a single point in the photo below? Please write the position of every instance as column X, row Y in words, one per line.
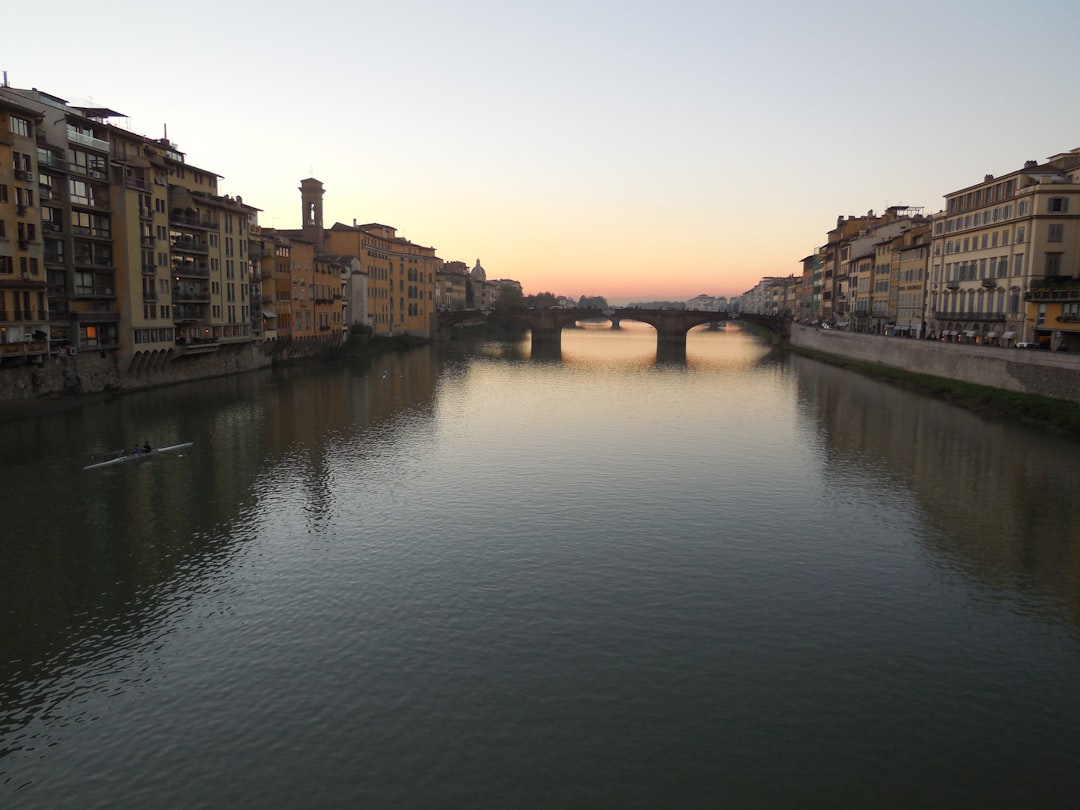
column 311, row 197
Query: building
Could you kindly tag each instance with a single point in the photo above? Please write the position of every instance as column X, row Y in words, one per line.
column 1004, row 256
column 910, row 261
column 867, row 261
column 452, row 287
column 24, row 312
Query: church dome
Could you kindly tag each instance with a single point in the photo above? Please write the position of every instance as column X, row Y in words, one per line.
column 478, row 272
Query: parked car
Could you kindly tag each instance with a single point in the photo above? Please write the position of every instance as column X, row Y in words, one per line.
column 1029, row 345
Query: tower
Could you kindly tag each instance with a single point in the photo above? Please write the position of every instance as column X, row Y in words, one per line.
column 311, row 223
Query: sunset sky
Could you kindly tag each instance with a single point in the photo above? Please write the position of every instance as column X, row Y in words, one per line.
column 626, row 149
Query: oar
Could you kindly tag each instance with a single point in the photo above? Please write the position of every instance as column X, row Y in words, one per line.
column 110, row 454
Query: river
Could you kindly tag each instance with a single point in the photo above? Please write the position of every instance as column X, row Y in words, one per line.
column 465, row 577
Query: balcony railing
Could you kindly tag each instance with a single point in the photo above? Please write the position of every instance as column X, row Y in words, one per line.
column 944, row 315
column 182, row 294
column 52, row 161
column 189, row 245
column 193, row 222
column 1063, row 294
column 190, row 269
column 87, row 140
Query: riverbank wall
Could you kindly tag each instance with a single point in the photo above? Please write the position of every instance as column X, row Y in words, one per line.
column 91, row 373
column 1041, row 373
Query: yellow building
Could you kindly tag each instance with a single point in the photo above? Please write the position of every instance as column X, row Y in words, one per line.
column 24, row 315
column 399, row 275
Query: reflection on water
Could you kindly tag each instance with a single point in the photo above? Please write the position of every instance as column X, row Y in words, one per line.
column 998, row 497
column 468, row 575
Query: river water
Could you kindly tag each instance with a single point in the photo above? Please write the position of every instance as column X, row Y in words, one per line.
column 466, row 577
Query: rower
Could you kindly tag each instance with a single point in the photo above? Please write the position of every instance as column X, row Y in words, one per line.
column 146, row 447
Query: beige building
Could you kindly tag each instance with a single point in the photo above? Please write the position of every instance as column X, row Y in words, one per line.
column 451, row 286
column 1002, row 251
column 910, row 261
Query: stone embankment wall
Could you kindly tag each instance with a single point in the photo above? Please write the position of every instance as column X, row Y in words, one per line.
column 1048, row 374
column 92, row 372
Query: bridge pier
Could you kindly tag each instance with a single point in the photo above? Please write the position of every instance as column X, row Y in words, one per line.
column 547, row 336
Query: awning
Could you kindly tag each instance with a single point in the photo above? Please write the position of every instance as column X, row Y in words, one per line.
column 1009, row 335
column 268, row 311
column 971, row 333
column 994, row 334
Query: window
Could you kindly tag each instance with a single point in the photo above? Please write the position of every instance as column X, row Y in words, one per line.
column 1055, row 233
column 1018, row 264
column 20, row 126
column 1058, row 204
column 1053, row 264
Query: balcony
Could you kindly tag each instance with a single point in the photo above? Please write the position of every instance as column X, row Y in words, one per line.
column 24, row 349
column 190, row 295
column 52, row 161
column 1054, row 294
column 188, row 244
column 195, row 269
column 93, row 292
column 205, row 223
column 86, row 140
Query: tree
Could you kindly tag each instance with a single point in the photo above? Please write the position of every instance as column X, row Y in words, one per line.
column 510, row 297
column 592, row 302
column 542, row 300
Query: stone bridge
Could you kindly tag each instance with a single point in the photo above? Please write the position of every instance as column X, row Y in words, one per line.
column 671, row 325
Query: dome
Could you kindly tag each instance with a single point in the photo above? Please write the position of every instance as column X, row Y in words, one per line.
column 478, row 272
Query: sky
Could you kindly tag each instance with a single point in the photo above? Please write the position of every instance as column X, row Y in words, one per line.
column 633, row 150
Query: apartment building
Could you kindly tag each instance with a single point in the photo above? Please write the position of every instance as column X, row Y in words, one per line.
column 834, row 256
column 72, row 230
column 24, row 316
column 868, row 261
column 1004, row 256
column 144, row 260
column 910, row 261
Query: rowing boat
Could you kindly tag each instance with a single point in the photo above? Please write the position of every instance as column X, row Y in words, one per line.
column 139, row 456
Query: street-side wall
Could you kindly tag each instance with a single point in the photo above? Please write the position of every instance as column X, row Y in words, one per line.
column 1048, row 374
